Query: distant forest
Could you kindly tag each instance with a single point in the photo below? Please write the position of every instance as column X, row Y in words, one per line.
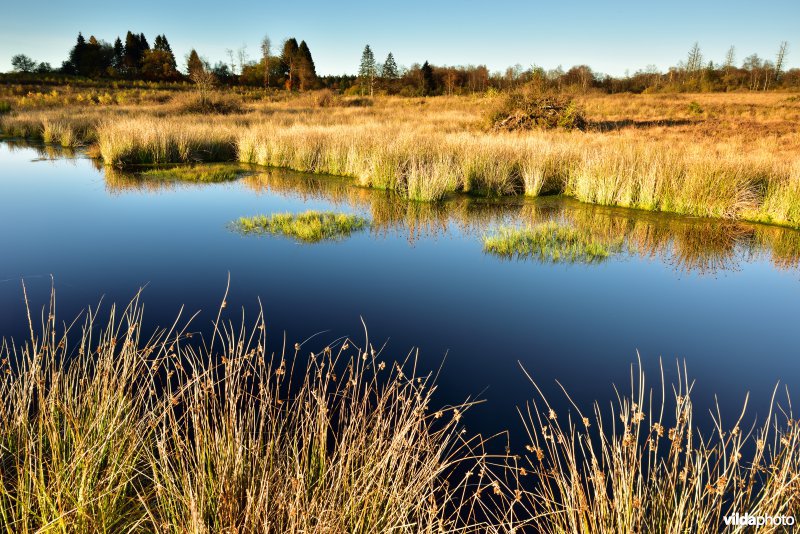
column 291, row 67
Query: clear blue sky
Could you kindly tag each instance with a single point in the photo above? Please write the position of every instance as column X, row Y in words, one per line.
column 611, row 37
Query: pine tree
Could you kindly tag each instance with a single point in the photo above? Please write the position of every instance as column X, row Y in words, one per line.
column 428, row 80
column 133, row 53
column 76, row 56
column 389, row 68
column 119, row 54
column 161, row 44
column 194, row 65
column 305, row 67
column 368, row 70
column 289, row 57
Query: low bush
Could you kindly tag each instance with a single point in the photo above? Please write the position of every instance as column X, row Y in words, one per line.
column 530, row 109
column 219, row 103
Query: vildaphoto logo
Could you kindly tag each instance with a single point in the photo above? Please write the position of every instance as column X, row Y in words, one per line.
column 741, row 520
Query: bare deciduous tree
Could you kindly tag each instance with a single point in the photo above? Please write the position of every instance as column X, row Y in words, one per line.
column 266, row 49
column 780, row 59
column 205, row 82
column 242, row 56
column 694, row 61
column 730, row 59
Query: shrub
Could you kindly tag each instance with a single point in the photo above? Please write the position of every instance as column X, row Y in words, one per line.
column 528, row 110
column 219, row 103
column 695, row 108
column 324, row 98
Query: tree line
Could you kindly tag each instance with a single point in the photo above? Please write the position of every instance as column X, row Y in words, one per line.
column 292, row 68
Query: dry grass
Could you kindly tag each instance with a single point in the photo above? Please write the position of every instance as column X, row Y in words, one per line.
column 738, row 159
column 118, row 433
column 151, row 141
column 123, row 434
column 646, row 465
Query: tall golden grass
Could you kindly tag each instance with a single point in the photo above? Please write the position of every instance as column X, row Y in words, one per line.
column 738, row 161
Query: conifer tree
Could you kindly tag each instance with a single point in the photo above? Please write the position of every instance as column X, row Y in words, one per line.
column 305, row 68
column 289, row 57
column 390, row 68
column 162, row 45
column 428, row 80
column 119, row 54
column 194, row 65
column 367, row 70
column 76, row 56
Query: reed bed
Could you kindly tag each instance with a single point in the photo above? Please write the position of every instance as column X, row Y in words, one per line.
column 149, row 141
column 738, row 161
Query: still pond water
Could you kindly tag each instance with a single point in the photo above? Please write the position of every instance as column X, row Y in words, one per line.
column 724, row 298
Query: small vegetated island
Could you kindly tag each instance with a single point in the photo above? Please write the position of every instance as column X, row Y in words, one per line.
column 308, row 227
column 550, row 242
column 194, row 173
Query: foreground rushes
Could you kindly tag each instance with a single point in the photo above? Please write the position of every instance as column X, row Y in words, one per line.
column 640, row 469
column 74, row 431
column 104, row 431
column 117, row 434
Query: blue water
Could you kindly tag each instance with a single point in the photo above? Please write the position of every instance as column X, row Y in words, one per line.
column 419, row 279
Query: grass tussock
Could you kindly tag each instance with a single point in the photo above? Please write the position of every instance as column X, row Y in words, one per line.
column 124, row 434
column 195, row 173
column 647, row 466
column 159, row 142
column 550, row 242
column 310, row 226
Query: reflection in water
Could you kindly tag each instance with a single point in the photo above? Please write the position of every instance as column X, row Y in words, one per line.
column 691, row 245
column 43, row 151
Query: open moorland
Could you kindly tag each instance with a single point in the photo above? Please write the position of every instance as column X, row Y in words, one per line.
column 734, row 156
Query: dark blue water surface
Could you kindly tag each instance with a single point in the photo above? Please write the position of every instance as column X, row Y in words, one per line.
column 725, row 298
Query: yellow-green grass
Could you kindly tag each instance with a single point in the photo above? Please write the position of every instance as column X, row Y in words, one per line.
column 310, row 226
column 195, row 173
column 550, row 241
